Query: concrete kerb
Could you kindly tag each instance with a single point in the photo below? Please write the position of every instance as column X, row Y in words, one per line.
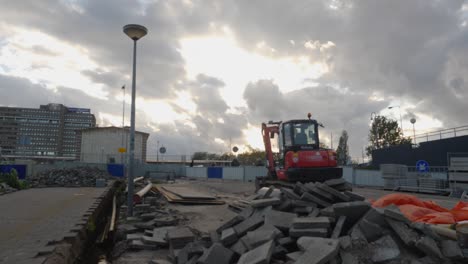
column 74, row 244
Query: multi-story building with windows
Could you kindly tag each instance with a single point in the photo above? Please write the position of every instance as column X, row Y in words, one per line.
column 51, row 130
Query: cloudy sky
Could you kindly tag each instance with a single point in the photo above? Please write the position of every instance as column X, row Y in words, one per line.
column 209, row 72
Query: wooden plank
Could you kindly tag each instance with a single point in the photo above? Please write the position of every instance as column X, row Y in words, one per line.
column 172, row 198
column 187, row 193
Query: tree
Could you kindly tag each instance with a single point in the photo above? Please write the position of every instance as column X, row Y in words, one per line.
column 252, row 156
column 385, row 133
column 342, row 152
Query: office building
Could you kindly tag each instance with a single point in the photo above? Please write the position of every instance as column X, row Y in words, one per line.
column 50, row 130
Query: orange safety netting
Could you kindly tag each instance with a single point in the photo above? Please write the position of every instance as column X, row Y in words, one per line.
column 418, row 210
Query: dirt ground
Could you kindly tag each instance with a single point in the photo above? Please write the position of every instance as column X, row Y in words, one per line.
column 206, row 218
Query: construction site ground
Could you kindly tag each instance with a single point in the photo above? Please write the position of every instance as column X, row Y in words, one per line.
column 206, row 218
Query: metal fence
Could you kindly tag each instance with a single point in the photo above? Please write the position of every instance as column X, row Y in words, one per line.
column 441, row 134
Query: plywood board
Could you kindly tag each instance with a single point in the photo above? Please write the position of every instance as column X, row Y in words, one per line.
column 188, row 193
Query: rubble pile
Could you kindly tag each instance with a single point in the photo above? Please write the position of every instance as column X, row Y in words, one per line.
column 5, row 188
column 69, row 177
column 313, row 223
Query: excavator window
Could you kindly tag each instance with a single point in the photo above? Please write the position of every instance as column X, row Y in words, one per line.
column 304, row 134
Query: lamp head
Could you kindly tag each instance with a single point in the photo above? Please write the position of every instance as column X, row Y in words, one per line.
column 135, row 31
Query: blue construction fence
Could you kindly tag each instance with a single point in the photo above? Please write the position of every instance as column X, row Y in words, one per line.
column 20, row 169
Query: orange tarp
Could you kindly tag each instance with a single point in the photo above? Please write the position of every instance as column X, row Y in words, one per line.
column 418, row 210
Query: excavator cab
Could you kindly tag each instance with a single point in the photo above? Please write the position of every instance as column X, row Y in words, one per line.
column 300, row 156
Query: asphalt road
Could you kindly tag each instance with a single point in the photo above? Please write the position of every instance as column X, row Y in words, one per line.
column 30, row 219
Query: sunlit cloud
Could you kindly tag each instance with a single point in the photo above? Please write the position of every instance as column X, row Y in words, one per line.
column 221, row 57
column 47, row 60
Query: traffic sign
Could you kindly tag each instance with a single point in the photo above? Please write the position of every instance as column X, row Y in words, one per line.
column 122, row 150
column 162, row 150
column 422, row 166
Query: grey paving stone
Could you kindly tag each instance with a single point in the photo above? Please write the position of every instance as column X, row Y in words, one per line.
column 317, row 250
column 314, row 213
column 312, row 198
column 310, row 232
column 290, row 194
column 279, row 252
column 371, row 230
column 154, row 241
column 261, row 211
column 272, row 228
column 228, row 236
column 259, row 255
column 294, row 256
column 349, row 258
column 376, row 216
column 334, row 182
column 451, row 249
column 358, row 240
column 286, row 242
column 338, row 227
column 284, row 206
column 301, row 203
column 248, row 224
column 145, row 225
column 216, row 254
column 311, row 222
column 265, row 202
column 429, row 246
column 280, row 220
column 232, row 222
column 239, row 247
column 394, row 213
column 305, row 211
column 255, row 238
column 138, row 244
column 383, row 250
column 337, row 194
column 159, row 261
column 189, row 251
column 312, row 189
column 160, row 233
column 246, row 212
column 345, row 242
column 426, row 230
column 352, row 210
column 179, row 237
column 407, row 234
column 354, row 196
column 137, row 236
column 215, row 237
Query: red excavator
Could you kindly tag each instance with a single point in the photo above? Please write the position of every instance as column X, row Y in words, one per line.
column 300, row 156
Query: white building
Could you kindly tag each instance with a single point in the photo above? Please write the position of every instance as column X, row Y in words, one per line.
column 103, row 145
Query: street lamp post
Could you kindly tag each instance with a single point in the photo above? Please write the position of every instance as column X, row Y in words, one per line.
column 401, row 120
column 135, row 32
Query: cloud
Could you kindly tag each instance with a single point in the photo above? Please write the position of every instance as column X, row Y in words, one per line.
column 413, row 53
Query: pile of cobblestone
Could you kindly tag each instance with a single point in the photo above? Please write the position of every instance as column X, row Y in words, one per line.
column 69, row 177
column 5, row 188
column 314, row 223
